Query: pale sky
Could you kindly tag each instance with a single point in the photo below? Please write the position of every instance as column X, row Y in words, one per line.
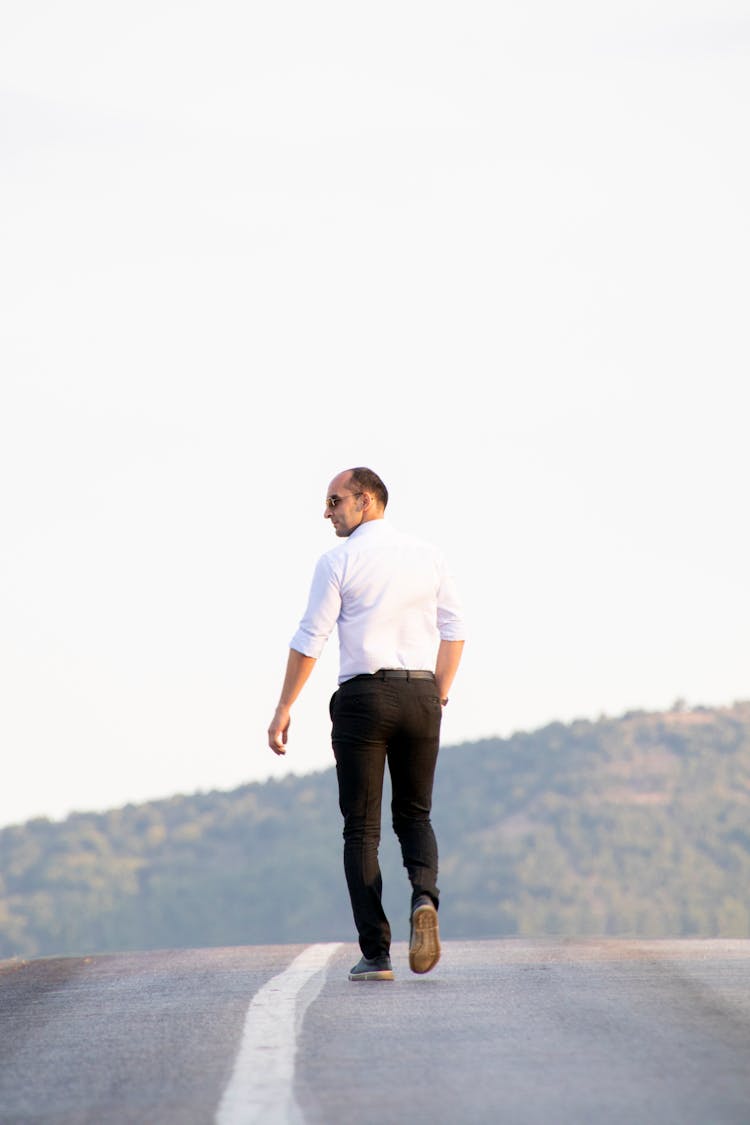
column 496, row 251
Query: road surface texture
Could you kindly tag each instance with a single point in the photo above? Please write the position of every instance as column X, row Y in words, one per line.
column 523, row 1032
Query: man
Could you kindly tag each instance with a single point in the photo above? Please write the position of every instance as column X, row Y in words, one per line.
column 400, row 629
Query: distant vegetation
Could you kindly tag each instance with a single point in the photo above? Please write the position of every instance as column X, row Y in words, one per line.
column 638, row 825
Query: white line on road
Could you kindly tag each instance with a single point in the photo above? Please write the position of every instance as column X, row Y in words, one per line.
column 262, row 1084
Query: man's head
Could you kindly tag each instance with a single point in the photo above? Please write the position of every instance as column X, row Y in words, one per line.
column 354, row 497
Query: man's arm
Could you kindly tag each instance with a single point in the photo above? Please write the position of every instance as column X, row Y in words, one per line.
column 298, row 669
column 448, row 659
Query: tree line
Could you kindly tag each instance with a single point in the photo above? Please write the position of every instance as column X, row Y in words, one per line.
column 636, row 825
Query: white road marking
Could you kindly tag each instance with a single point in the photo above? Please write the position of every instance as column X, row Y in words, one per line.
column 262, row 1084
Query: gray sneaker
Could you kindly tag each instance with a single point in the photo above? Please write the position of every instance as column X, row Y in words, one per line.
column 424, row 940
column 377, row 968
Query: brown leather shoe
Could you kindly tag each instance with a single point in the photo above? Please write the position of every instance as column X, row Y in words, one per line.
column 424, row 942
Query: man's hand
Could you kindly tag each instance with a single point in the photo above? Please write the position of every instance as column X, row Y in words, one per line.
column 298, row 668
column 279, row 729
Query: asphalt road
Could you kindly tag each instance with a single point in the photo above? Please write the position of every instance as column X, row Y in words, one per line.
column 514, row 1031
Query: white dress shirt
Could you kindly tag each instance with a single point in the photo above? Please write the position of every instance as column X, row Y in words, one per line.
column 392, row 597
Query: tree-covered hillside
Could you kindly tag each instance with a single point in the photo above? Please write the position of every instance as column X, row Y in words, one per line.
column 638, row 825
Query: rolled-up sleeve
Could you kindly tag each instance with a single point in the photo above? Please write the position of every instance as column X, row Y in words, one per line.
column 450, row 614
column 323, row 609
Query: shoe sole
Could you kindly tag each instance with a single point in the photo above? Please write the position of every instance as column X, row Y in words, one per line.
column 424, row 944
column 374, row 974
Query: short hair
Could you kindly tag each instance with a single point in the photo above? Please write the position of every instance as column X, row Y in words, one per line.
column 369, row 481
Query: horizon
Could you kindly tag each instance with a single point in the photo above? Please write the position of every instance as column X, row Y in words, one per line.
column 679, row 707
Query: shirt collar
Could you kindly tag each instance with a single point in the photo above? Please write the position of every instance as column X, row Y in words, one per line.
column 368, row 528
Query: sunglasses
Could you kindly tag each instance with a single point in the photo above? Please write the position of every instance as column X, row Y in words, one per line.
column 332, row 501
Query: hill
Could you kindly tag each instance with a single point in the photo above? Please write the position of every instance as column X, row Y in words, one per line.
column 636, row 825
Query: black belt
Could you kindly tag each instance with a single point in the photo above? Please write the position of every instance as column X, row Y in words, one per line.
column 402, row 674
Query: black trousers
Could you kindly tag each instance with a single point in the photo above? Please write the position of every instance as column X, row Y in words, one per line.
column 377, row 720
